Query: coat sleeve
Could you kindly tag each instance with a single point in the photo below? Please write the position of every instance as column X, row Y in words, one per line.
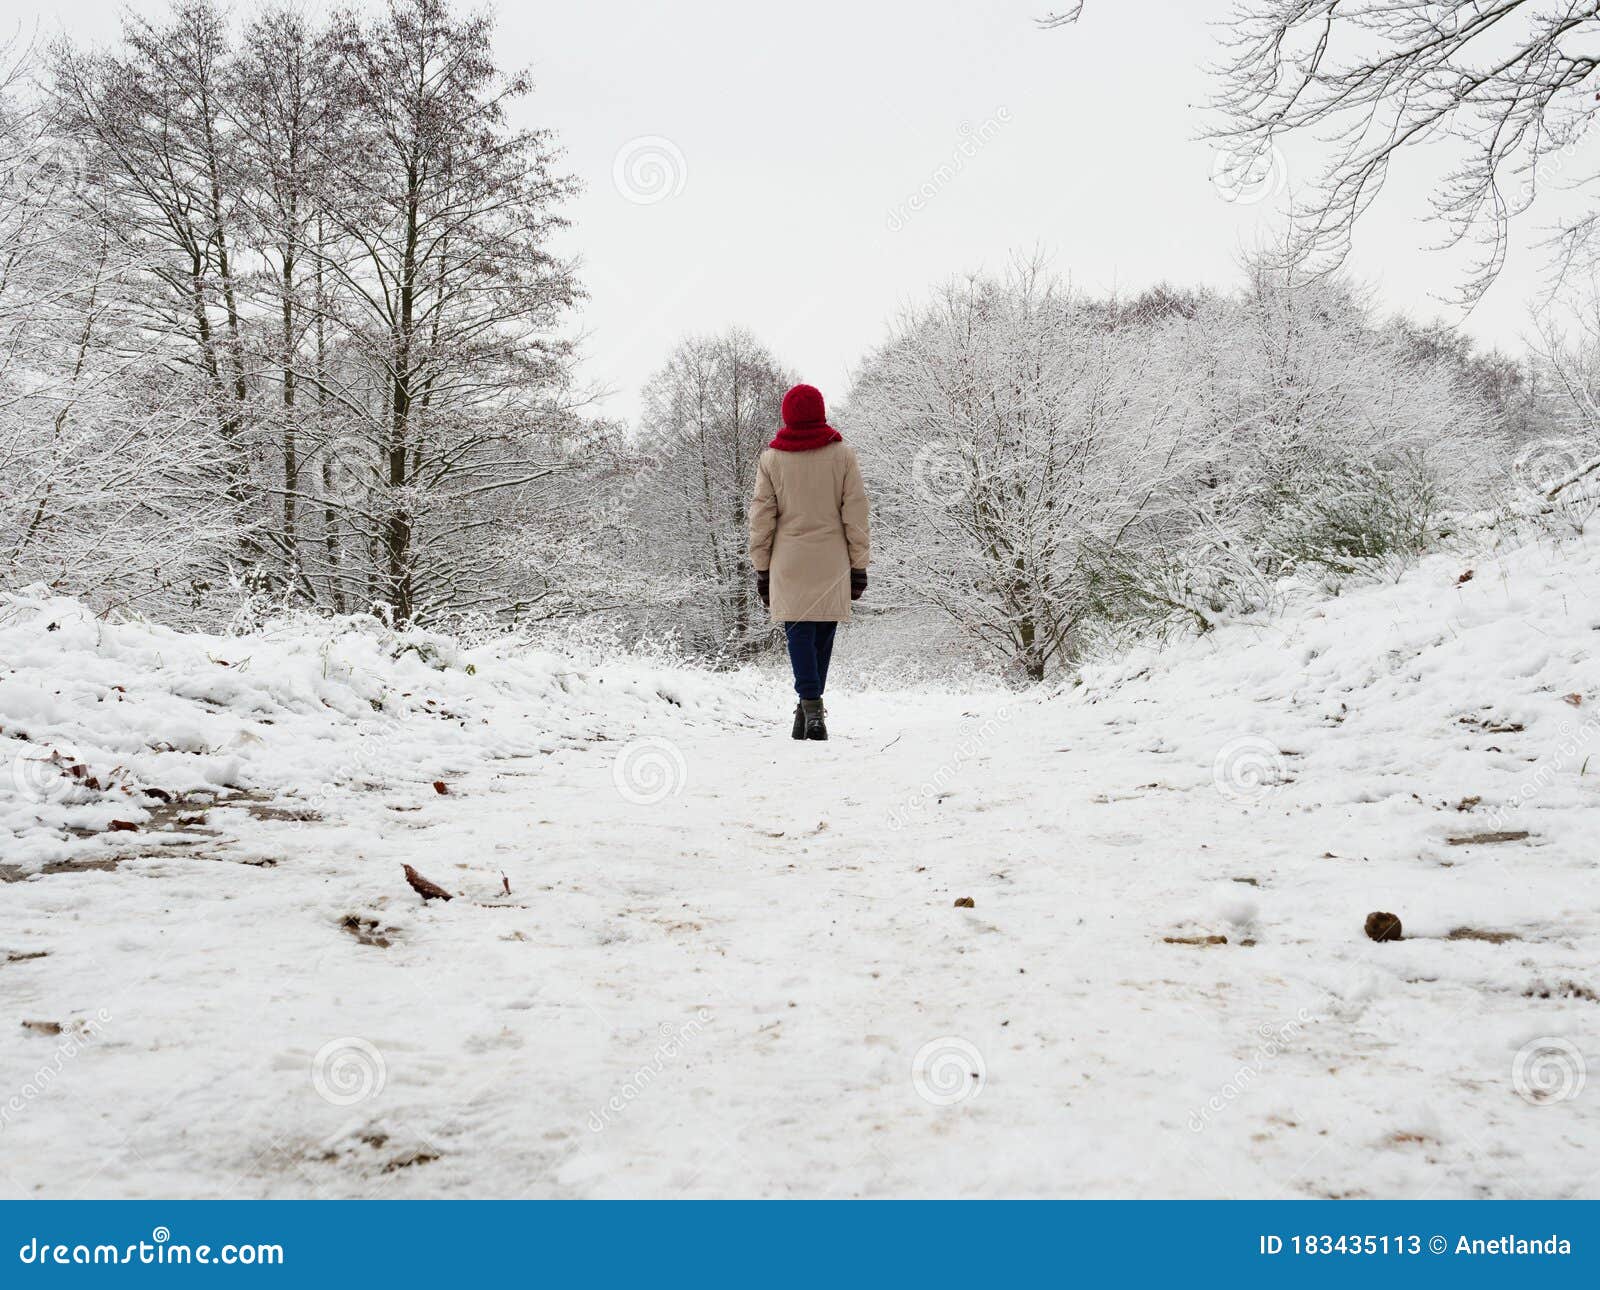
column 853, row 511
column 763, row 518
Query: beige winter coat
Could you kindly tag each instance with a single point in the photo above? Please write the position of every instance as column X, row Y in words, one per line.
column 808, row 525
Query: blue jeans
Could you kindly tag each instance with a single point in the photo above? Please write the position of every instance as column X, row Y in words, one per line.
column 810, row 648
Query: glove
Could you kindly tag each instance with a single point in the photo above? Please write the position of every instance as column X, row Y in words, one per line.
column 858, row 583
column 764, row 586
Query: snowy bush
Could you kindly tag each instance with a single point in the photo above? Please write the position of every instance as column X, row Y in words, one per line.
column 1006, row 431
column 1047, row 463
column 1357, row 517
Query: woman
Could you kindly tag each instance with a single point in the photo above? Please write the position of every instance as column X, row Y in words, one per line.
column 808, row 543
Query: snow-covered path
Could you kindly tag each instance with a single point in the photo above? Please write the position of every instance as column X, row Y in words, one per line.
column 727, row 991
column 730, row 964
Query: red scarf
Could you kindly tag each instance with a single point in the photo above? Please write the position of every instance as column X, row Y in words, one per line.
column 805, row 438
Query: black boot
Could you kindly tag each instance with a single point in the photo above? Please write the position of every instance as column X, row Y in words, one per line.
column 811, row 709
column 799, row 722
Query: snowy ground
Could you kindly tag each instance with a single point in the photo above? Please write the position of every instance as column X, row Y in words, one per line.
column 729, row 964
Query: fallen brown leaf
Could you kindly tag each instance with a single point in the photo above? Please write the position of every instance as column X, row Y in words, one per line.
column 423, row 887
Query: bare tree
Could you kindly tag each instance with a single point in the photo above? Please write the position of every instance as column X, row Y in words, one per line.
column 453, row 297
column 710, row 412
column 288, row 118
column 1507, row 80
column 336, row 229
column 151, row 117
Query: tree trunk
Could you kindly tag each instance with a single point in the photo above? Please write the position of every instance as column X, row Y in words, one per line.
column 397, row 526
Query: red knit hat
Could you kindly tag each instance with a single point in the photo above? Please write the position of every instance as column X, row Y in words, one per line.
column 805, row 422
column 803, row 406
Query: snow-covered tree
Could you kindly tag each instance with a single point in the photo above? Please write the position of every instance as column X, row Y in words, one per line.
column 709, row 413
column 1561, row 470
column 1011, row 434
column 1326, row 439
column 451, row 300
column 337, row 234
column 1049, row 464
column 288, row 120
column 111, row 484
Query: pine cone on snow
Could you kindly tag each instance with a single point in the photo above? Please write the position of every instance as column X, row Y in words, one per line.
column 1383, row 926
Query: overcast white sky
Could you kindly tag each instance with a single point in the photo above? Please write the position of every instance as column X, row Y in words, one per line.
column 804, row 128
